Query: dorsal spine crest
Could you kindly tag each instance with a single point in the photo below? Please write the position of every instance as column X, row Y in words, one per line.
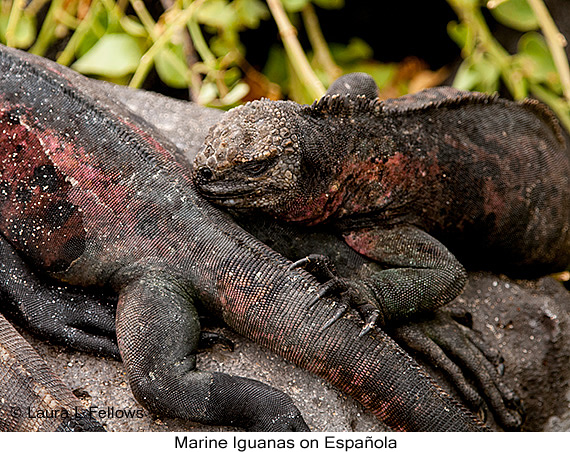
column 342, row 105
column 423, row 101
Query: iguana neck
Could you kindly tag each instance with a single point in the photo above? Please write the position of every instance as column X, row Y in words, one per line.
column 355, row 169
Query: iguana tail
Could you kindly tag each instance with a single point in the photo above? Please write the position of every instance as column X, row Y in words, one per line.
column 32, row 398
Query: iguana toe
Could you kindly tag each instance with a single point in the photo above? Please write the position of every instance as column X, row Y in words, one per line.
column 320, row 266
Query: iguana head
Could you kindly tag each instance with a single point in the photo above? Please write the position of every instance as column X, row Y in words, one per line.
column 252, row 157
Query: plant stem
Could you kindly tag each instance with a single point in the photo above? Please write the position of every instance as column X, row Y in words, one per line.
column 294, row 50
column 201, row 45
column 557, row 104
column 145, row 18
column 46, row 34
column 318, row 42
column 34, row 6
column 556, row 43
column 15, row 14
column 148, row 58
column 194, row 79
column 66, row 57
column 472, row 16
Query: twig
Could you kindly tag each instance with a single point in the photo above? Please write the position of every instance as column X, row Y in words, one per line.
column 148, row 58
column 144, row 16
column 556, row 43
column 46, row 35
column 318, row 42
column 82, row 29
column 294, row 50
column 472, row 15
column 15, row 14
column 191, row 57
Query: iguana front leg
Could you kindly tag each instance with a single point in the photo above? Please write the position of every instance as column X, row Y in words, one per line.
column 158, row 334
column 424, row 275
column 72, row 316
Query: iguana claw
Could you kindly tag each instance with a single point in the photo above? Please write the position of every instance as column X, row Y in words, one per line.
column 332, row 287
column 371, row 321
column 455, row 348
column 369, row 313
column 323, row 268
column 319, row 265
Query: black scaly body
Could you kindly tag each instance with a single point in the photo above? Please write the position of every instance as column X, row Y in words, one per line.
column 93, row 199
column 422, row 184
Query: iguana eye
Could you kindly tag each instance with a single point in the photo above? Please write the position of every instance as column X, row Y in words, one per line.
column 256, row 168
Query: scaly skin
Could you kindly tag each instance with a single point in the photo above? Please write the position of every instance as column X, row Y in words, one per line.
column 92, row 198
column 419, row 184
column 33, row 398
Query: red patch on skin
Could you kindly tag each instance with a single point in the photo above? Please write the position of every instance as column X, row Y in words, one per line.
column 362, row 242
column 365, row 185
column 494, row 203
column 369, row 185
column 38, row 216
column 313, row 211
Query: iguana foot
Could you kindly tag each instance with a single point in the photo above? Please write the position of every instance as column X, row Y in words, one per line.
column 354, row 295
column 454, row 348
column 75, row 320
column 347, row 291
column 79, row 318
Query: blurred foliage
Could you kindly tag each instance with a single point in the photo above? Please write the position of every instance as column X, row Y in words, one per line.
column 540, row 65
column 196, row 45
column 192, row 44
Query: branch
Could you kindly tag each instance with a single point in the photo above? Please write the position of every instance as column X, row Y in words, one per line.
column 556, row 43
column 294, row 50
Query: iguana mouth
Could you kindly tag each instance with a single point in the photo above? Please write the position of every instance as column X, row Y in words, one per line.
column 230, row 198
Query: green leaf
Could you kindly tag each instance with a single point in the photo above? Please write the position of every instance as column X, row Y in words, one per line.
column 459, row 32
column 329, row 4
column 208, row 92
column 294, row 6
column 25, row 33
column 232, row 75
column 236, row 94
column 171, row 67
column 250, row 12
column 533, row 47
column 516, row 14
column 466, row 77
column 114, row 55
column 477, row 75
column 216, row 13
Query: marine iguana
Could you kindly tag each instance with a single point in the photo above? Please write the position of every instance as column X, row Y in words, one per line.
column 93, row 196
column 421, row 184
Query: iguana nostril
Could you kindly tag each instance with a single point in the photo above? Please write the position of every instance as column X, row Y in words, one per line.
column 205, row 173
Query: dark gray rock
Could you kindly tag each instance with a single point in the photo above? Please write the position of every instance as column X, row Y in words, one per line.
column 528, row 322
